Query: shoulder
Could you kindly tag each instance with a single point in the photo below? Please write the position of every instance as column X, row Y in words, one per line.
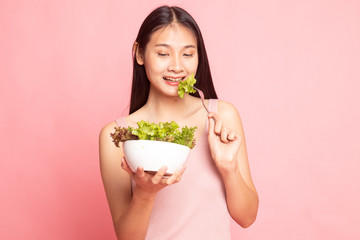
column 230, row 116
column 227, row 110
column 106, row 144
column 107, row 129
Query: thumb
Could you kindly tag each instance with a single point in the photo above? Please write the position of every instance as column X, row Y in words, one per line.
column 126, row 167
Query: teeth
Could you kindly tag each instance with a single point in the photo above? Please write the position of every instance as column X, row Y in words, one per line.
column 173, row 79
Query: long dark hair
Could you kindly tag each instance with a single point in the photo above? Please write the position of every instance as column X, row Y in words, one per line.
column 157, row 19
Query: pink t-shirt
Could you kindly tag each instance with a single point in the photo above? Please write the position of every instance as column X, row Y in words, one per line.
column 195, row 208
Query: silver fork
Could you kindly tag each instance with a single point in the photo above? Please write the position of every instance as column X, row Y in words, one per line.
column 202, row 98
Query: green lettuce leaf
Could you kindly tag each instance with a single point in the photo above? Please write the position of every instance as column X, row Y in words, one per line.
column 186, row 86
column 167, row 132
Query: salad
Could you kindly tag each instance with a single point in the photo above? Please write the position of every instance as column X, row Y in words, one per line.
column 167, row 132
column 163, row 131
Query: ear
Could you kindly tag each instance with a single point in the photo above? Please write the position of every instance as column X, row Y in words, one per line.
column 138, row 54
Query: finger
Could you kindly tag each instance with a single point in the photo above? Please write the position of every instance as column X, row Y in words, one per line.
column 126, row 167
column 177, row 175
column 159, row 175
column 224, row 135
column 211, row 123
column 140, row 172
column 232, row 136
column 179, row 178
column 181, row 174
column 218, row 126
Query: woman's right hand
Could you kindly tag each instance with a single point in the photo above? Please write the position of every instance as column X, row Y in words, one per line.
column 147, row 185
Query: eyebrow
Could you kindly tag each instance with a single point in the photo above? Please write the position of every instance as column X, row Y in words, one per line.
column 167, row 45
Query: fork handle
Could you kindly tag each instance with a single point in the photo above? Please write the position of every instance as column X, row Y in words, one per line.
column 202, row 98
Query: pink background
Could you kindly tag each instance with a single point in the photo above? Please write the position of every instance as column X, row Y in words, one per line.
column 291, row 67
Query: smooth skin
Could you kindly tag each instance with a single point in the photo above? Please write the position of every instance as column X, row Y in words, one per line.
column 172, row 53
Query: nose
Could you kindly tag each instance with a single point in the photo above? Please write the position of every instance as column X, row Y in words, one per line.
column 175, row 64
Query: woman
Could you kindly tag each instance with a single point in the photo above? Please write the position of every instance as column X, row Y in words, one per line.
column 195, row 203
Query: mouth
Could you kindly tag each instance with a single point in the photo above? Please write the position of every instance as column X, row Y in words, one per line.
column 173, row 79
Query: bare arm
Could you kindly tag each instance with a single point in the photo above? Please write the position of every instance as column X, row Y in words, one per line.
column 228, row 148
column 130, row 211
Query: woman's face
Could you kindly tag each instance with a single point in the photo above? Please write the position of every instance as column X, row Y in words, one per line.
column 170, row 56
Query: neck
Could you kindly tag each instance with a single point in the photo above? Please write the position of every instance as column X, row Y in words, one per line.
column 162, row 108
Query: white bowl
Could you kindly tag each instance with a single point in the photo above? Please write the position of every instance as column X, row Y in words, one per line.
column 152, row 155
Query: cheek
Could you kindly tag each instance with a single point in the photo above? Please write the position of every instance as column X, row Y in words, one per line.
column 154, row 66
column 192, row 65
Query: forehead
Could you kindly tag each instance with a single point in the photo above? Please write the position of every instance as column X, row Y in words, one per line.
column 173, row 35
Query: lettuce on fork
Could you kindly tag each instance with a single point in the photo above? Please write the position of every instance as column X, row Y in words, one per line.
column 186, row 86
column 167, row 132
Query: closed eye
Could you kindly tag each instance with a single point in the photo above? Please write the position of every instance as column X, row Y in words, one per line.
column 163, row 54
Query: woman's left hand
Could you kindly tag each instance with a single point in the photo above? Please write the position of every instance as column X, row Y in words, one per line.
column 224, row 144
